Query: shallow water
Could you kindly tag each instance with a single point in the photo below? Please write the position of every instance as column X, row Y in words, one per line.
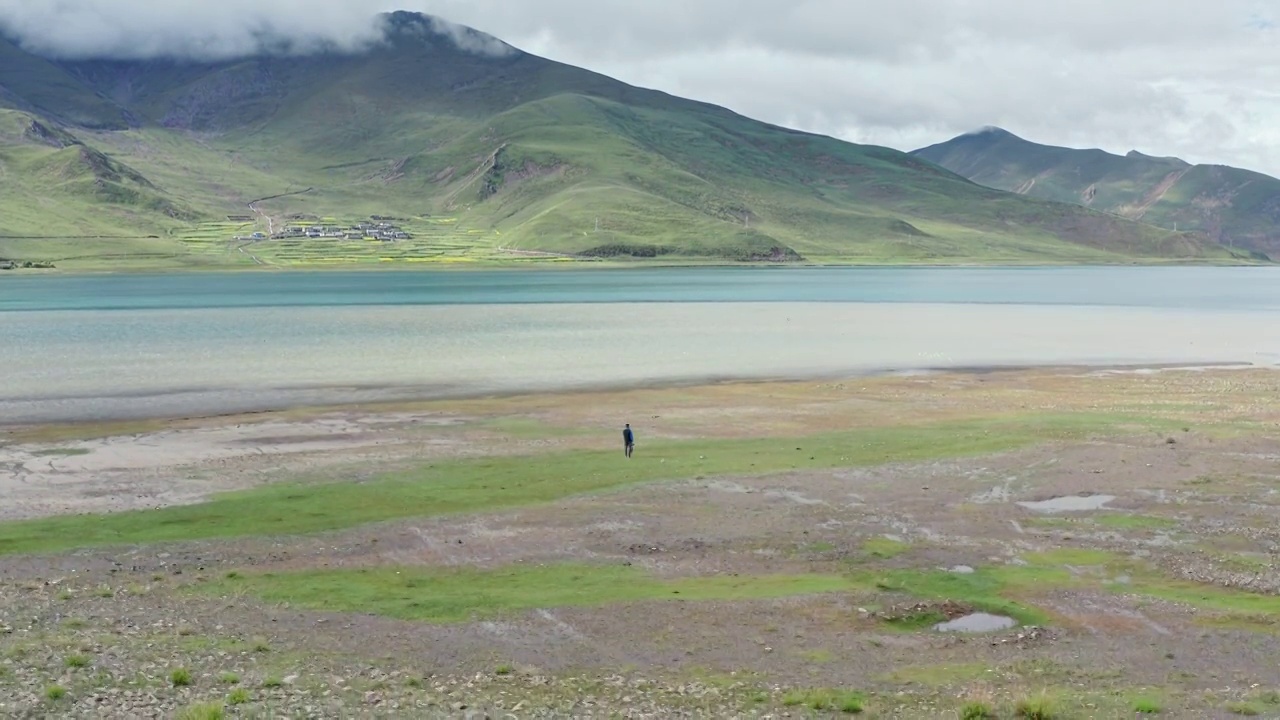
column 977, row 623
column 1069, row 503
column 80, row 348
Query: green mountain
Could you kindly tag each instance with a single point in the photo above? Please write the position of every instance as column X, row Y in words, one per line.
column 1238, row 208
column 481, row 152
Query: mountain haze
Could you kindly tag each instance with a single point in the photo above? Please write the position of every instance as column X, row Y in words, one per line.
column 1235, row 207
column 482, row 146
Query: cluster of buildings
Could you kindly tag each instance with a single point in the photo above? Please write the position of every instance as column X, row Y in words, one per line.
column 24, row 264
column 376, row 230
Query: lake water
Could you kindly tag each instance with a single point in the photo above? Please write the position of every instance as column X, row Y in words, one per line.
column 119, row 346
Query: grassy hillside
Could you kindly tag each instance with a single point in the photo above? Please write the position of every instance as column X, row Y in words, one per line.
column 1235, row 207
column 56, row 185
column 497, row 155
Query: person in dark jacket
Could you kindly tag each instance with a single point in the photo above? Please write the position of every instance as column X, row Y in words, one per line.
column 628, row 439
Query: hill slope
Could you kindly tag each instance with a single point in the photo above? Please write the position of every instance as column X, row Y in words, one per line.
column 55, row 184
column 488, row 151
column 1236, row 207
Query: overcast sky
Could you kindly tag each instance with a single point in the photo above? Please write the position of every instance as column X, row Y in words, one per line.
column 1195, row 78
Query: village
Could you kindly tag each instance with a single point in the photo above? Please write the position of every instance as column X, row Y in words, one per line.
column 6, row 264
column 377, row 228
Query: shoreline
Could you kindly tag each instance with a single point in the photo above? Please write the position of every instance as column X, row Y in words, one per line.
column 411, row 401
column 589, row 264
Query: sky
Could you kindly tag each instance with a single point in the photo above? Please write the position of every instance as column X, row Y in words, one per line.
column 1192, row 78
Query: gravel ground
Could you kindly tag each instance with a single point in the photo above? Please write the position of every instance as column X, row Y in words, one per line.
column 110, row 627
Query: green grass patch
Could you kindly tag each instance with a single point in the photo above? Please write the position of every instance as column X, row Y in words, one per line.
column 1003, row 589
column 54, row 693
column 1120, row 521
column 845, row 701
column 1037, row 707
column 491, row 483
column 201, row 711
column 60, row 452
column 450, row 596
column 994, row 589
column 180, row 677
column 76, row 661
column 1147, row 706
column 239, row 696
column 1234, row 603
column 937, row 676
column 977, row 710
column 1076, row 557
column 916, row 621
column 229, row 678
column 988, row 589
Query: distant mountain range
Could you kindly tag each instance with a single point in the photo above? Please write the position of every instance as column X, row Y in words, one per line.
column 1238, row 208
column 484, row 151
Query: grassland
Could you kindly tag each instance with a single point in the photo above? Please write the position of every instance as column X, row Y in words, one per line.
column 472, row 485
column 747, row 561
column 468, row 595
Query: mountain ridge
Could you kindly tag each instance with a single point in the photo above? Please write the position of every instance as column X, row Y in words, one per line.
column 1233, row 206
column 491, row 150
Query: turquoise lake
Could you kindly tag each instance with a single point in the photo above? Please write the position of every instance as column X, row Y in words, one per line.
column 121, row 346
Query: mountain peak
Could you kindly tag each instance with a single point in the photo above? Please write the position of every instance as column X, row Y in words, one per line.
column 1136, row 155
column 415, row 27
column 990, row 130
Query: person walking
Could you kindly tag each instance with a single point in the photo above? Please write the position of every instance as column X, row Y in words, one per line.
column 628, row 439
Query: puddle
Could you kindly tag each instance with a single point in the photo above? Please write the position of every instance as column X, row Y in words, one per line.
column 794, row 497
column 977, row 623
column 1069, row 503
column 729, row 487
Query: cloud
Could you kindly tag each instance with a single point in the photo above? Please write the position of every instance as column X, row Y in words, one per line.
column 205, row 30
column 470, row 40
column 212, row 30
column 1188, row 79
column 1180, row 78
